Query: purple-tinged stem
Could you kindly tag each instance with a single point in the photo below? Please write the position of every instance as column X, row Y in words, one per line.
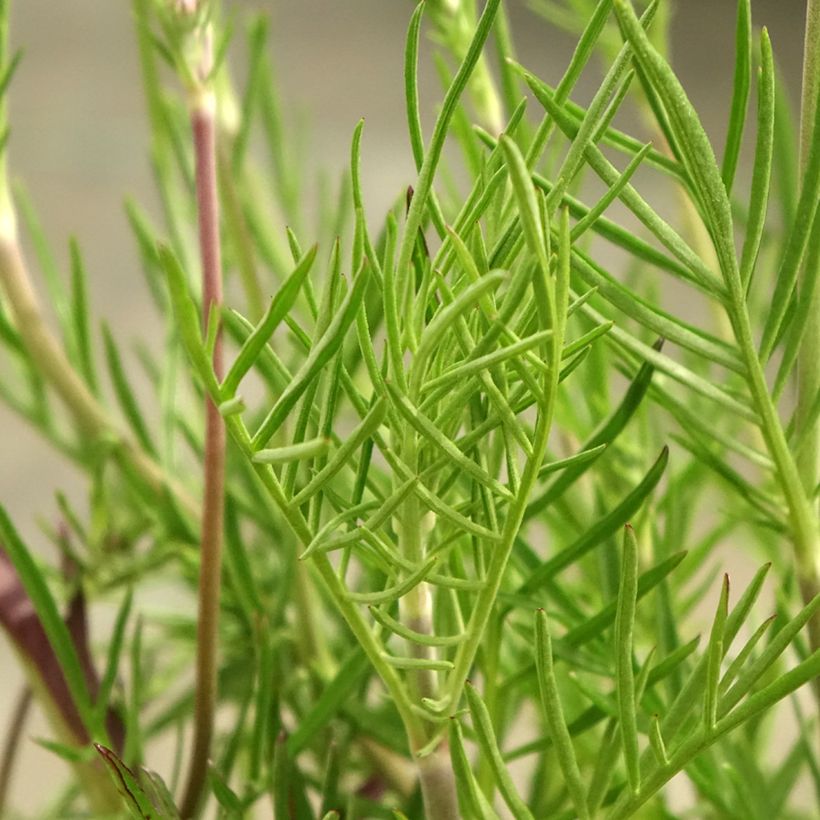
column 204, row 134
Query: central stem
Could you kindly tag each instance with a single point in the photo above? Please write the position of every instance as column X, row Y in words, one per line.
column 204, row 134
column 438, row 786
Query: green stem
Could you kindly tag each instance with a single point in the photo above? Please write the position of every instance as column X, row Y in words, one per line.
column 808, row 361
column 53, row 364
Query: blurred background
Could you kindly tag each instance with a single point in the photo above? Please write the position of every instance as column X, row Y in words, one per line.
column 79, row 145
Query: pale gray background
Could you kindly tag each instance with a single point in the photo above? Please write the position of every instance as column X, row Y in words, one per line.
column 79, row 143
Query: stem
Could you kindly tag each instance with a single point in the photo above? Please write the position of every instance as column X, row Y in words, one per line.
column 12, row 743
column 47, row 354
column 436, row 775
column 438, row 788
column 204, row 134
column 808, row 361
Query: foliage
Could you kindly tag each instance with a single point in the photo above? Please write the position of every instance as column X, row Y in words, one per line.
column 477, row 479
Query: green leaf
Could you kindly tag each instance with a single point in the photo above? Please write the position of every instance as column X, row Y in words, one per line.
column 690, row 138
column 740, row 92
column 483, row 727
column 320, row 354
column 554, row 713
column 794, row 253
column 431, row 433
column 762, row 168
column 613, row 192
column 122, row 390
column 596, row 624
column 423, row 639
column 134, row 795
column 279, row 307
column 471, row 799
column 224, row 794
column 411, row 92
column 435, row 147
column 624, row 631
column 80, row 316
column 604, row 435
column 187, row 319
column 292, row 452
column 714, row 656
column 112, row 666
column 777, row 645
column 601, row 530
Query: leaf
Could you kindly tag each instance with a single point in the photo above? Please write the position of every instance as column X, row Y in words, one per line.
column 224, row 794
column 80, row 316
column 796, row 245
column 292, row 452
column 134, row 795
column 435, row 147
column 431, row 433
column 690, row 138
column 482, row 725
column 695, row 269
column 187, row 319
column 122, row 390
column 740, row 92
column 653, row 318
column 471, row 799
column 777, row 645
column 277, row 310
column 624, row 629
column 604, row 435
column 692, row 690
column 714, row 656
column 596, row 624
column 762, row 168
column 398, row 590
column 423, row 639
column 601, row 530
column 554, row 713
column 613, row 192
column 114, row 652
column 411, row 95
column 320, row 354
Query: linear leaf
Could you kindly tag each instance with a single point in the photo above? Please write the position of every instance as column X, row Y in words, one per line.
column 602, row 529
column 762, row 168
column 320, row 354
column 554, row 713
column 483, row 727
column 740, row 92
column 624, row 630
column 604, row 435
column 277, row 310
column 469, row 792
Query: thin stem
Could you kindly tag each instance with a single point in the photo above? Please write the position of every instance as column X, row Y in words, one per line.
column 53, row 364
column 12, row 743
column 808, row 361
column 203, row 126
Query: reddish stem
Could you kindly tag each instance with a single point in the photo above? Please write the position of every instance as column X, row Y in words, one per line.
column 204, row 133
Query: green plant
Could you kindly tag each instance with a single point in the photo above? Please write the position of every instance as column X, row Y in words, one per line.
column 438, row 456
